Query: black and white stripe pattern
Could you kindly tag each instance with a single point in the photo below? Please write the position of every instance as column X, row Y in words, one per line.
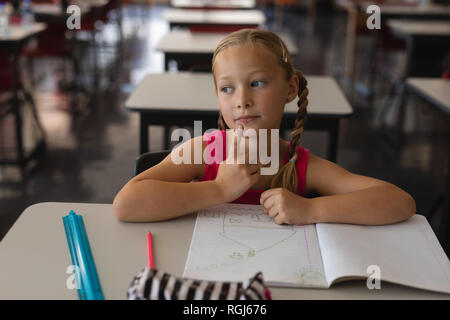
column 151, row 284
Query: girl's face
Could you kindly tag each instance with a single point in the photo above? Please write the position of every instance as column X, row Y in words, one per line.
column 251, row 87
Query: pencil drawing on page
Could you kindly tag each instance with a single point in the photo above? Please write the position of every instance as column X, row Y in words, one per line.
column 239, row 226
column 244, row 239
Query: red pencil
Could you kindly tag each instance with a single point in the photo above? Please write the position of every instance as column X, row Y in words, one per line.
column 150, row 251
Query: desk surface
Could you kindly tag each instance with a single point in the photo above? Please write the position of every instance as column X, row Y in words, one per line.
column 184, row 41
column 55, row 9
column 236, row 4
column 196, row 92
column 19, row 33
column 420, row 27
column 34, row 256
column 241, row 17
column 435, row 90
column 408, row 9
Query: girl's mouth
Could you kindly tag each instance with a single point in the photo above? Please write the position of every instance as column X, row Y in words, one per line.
column 247, row 119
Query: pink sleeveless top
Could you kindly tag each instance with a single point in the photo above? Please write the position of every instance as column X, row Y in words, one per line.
column 250, row 196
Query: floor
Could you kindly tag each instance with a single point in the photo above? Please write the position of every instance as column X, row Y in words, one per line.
column 91, row 147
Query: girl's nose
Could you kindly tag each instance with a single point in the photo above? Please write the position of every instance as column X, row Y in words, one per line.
column 244, row 100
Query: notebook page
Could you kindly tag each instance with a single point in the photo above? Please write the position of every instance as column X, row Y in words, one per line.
column 407, row 253
column 232, row 242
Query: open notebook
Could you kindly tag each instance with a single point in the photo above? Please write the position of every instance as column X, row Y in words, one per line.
column 231, row 242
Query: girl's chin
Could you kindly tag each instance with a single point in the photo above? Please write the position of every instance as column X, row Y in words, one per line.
column 250, row 129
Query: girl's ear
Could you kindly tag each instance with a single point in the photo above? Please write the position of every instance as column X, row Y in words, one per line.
column 293, row 84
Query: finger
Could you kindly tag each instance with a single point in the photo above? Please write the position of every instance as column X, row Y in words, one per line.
column 269, row 203
column 239, row 131
column 253, row 169
column 251, row 150
column 272, row 212
column 229, row 142
column 232, row 147
column 266, row 194
column 240, row 147
column 278, row 219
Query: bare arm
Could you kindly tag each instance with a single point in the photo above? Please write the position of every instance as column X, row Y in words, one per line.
column 351, row 198
column 164, row 192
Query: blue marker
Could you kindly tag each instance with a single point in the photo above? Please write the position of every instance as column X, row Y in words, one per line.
column 80, row 252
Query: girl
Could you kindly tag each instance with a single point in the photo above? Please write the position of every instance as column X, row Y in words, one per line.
column 254, row 79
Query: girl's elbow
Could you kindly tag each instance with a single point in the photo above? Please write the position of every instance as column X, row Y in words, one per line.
column 125, row 209
column 410, row 205
column 406, row 205
column 121, row 209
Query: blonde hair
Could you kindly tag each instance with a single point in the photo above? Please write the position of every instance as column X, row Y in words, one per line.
column 287, row 175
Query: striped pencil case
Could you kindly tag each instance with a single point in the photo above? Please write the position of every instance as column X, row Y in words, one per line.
column 151, row 284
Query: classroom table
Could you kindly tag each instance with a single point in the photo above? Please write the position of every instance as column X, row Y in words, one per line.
column 34, row 257
column 13, row 42
column 56, row 9
column 425, row 40
column 436, row 92
column 54, row 12
column 188, row 47
column 356, row 10
column 408, row 9
column 190, row 17
column 213, row 4
column 180, row 98
column 427, row 44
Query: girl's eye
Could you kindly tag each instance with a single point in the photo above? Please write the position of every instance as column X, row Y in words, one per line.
column 226, row 89
column 258, row 83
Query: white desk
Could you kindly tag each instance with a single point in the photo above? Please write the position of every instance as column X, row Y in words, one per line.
column 56, row 10
column 18, row 33
column 196, row 92
column 182, row 41
column 34, row 256
column 185, row 46
column 408, row 9
column 434, row 90
column 427, row 44
column 420, row 27
column 426, row 41
column 355, row 13
column 180, row 98
column 186, row 17
column 214, row 4
column 12, row 43
column 56, row 17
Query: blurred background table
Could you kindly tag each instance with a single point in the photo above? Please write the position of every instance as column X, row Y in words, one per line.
column 12, row 43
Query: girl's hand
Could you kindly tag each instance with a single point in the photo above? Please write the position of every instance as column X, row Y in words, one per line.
column 235, row 179
column 287, row 207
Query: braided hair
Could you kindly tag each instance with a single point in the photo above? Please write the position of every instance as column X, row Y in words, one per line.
column 287, row 175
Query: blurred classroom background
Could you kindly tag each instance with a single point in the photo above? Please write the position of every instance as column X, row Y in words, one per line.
column 68, row 135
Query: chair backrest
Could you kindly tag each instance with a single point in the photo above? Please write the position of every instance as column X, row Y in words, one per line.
column 148, row 160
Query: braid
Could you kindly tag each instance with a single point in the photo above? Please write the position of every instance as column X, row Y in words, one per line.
column 287, row 176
